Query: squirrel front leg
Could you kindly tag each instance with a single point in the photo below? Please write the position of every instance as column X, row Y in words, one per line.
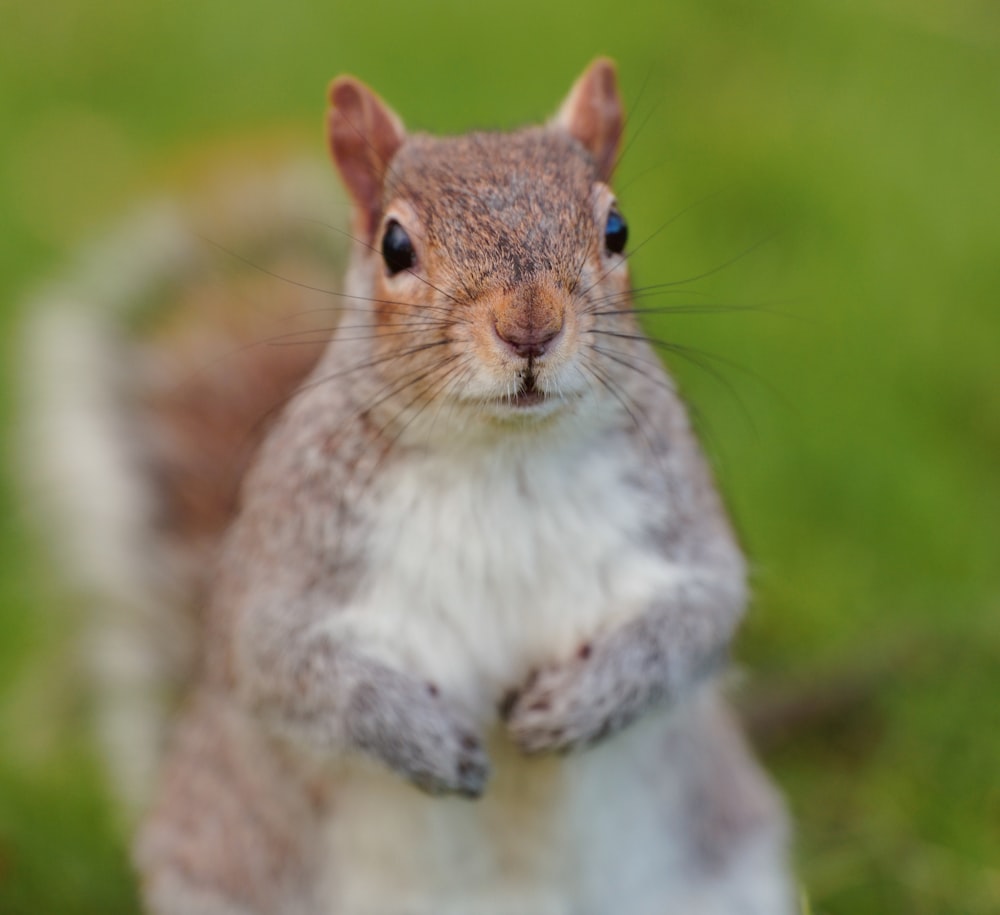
column 330, row 695
column 618, row 674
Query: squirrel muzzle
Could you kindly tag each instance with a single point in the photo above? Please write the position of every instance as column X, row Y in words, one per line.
column 530, row 320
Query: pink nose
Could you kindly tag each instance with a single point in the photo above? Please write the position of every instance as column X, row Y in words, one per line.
column 527, row 342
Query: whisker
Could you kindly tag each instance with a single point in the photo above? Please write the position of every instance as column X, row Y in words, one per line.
column 370, row 363
column 700, row 276
column 666, row 382
column 605, row 381
column 371, row 247
column 332, row 340
column 457, row 380
column 689, row 352
column 294, row 339
column 702, row 360
column 652, row 168
column 317, row 382
column 626, row 359
column 697, row 308
column 623, row 258
column 635, row 135
column 632, row 109
column 433, row 390
column 413, row 309
column 638, row 291
column 628, row 256
column 309, row 287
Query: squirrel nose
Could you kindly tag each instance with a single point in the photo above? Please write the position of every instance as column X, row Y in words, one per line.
column 529, row 320
column 528, row 342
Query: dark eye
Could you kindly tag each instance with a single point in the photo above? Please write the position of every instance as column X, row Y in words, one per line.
column 397, row 249
column 615, row 233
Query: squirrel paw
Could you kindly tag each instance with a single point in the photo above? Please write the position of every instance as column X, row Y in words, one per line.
column 420, row 735
column 570, row 706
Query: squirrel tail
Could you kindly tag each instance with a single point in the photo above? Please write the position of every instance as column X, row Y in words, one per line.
column 150, row 372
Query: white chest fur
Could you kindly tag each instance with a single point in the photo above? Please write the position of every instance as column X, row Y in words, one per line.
column 487, row 564
column 490, row 561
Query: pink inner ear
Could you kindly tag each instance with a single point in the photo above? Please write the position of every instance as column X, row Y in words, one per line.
column 364, row 136
column 592, row 113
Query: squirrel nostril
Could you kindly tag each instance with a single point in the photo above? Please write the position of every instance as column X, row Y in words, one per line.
column 528, row 342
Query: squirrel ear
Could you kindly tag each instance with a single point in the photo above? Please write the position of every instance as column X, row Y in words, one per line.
column 592, row 113
column 364, row 134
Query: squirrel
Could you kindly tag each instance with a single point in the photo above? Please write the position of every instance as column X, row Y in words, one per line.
column 456, row 646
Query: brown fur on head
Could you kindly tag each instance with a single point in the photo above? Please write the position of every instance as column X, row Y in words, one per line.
column 507, row 234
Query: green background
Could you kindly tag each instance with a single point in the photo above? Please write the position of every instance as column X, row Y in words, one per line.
column 856, row 425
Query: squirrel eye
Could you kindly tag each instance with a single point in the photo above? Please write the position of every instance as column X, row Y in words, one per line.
column 397, row 249
column 615, row 232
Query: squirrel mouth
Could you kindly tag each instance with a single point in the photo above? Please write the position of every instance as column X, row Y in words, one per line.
column 527, row 399
column 528, row 395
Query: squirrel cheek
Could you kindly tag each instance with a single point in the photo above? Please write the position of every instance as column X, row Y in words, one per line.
column 398, row 300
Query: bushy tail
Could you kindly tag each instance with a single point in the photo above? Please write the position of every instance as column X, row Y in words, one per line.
column 151, row 371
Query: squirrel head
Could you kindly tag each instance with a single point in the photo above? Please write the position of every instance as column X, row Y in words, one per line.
column 486, row 255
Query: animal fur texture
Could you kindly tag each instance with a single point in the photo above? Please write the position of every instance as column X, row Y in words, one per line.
column 459, row 651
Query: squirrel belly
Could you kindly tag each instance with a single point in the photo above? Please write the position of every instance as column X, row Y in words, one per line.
column 672, row 816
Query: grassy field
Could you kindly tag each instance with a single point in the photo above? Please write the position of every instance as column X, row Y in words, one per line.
column 856, row 424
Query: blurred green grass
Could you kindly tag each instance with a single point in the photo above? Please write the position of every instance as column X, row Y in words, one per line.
column 860, row 453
